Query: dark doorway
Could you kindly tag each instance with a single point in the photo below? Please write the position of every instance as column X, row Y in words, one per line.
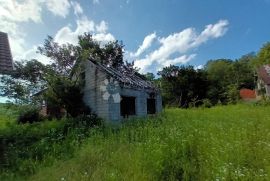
column 151, row 106
column 127, row 106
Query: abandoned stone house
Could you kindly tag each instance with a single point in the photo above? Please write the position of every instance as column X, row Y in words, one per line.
column 263, row 81
column 114, row 94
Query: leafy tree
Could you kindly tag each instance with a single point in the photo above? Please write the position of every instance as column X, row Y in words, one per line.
column 61, row 79
column 110, row 54
column 183, row 86
column 64, row 83
column 263, row 56
column 227, row 77
column 149, row 76
column 243, row 72
column 219, row 74
column 27, row 79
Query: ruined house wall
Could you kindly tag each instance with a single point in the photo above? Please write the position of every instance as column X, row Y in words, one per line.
column 262, row 86
column 159, row 103
column 267, row 89
column 110, row 109
column 141, row 97
column 94, row 78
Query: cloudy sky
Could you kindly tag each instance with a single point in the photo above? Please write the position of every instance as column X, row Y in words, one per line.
column 156, row 33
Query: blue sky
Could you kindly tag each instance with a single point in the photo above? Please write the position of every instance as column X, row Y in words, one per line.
column 155, row 33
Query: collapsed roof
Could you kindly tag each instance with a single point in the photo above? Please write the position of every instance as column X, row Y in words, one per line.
column 126, row 77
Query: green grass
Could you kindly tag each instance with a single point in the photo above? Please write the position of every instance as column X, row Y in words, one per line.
column 221, row 143
column 7, row 116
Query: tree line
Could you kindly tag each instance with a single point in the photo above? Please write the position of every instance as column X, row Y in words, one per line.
column 218, row 82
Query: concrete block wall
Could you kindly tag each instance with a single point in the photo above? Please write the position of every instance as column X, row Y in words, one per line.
column 267, row 89
column 94, row 78
column 109, row 109
column 141, row 97
column 158, row 103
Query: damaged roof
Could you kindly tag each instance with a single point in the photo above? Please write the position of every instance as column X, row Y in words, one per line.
column 126, row 76
column 264, row 74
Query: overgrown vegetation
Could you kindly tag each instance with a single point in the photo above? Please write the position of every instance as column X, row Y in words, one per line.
column 23, row 147
column 60, row 82
column 218, row 83
column 220, row 143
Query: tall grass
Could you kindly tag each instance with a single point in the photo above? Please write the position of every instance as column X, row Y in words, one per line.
column 7, row 115
column 221, row 143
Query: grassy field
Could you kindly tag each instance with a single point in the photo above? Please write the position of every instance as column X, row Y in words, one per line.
column 6, row 116
column 220, row 143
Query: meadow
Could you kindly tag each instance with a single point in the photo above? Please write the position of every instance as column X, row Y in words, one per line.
column 220, row 143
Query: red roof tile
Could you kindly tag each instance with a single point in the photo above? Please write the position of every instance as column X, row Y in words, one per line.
column 247, row 94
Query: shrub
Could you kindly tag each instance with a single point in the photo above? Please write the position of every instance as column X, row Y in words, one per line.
column 206, row 103
column 263, row 102
column 29, row 115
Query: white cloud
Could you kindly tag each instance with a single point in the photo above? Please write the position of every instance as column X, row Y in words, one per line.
column 179, row 60
column 15, row 12
column 179, row 44
column 12, row 13
column 102, row 27
column 212, row 31
column 67, row 35
column 32, row 54
column 147, row 42
column 58, row 7
column 198, row 67
column 18, row 11
column 96, row 1
column 103, row 37
column 77, row 8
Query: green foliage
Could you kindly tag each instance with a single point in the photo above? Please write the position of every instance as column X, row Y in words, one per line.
column 8, row 115
column 64, row 80
column 29, row 115
column 24, row 147
column 265, row 101
column 206, row 103
column 25, row 81
column 227, row 77
column 149, row 76
column 63, row 93
column 61, row 79
column 232, row 94
column 183, row 86
column 263, row 56
column 220, row 143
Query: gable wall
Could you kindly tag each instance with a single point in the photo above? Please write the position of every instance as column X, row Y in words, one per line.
column 94, row 79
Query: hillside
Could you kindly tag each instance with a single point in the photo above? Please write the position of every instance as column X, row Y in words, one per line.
column 221, row 143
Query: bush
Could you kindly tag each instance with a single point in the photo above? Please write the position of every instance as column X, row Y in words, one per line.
column 24, row 146
column 263, row 102
column 206, row 103
column 29, row 115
